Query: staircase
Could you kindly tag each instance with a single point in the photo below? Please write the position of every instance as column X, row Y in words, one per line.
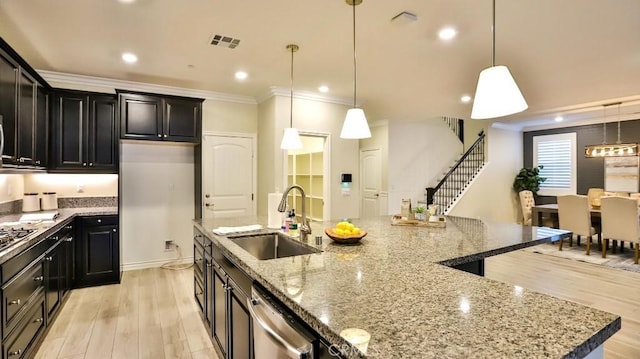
column 459, row 177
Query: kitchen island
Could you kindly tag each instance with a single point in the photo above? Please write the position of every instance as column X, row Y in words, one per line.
column 397, row 286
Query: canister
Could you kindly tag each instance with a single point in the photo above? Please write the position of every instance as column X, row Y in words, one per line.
column 49, row 201
column 30, row 202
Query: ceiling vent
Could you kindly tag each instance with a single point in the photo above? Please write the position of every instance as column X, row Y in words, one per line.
column 225, row 41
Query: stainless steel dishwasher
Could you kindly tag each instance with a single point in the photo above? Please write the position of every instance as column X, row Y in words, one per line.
column 274, row 333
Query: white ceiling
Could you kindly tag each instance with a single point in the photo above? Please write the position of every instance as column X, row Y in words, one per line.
column 568, row 57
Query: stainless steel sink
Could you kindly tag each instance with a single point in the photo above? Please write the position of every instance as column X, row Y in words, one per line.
column 272, row 245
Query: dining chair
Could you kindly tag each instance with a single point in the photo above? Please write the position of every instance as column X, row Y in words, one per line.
column 575, row 216
column 635, row 196
column 594, row 195
column 615, row 194
column 526, row 202
column 620, row 222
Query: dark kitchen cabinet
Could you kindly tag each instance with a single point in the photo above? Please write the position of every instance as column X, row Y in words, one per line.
column 41, row 132
column 85, row 128
column 160, row 118
column 224, row 312
column 97, row 251
column 9, row 70
column 58, row 271
column 20, row 87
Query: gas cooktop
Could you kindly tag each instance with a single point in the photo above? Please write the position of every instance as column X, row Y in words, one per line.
column 11, row 234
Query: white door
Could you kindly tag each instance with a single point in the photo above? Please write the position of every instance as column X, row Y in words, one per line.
column 227, row 181
column 370, row 182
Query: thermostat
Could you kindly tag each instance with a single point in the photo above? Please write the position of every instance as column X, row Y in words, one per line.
column 345, row 177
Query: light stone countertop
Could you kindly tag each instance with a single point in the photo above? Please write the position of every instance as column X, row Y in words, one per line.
column 45, row 229
column 392, row 286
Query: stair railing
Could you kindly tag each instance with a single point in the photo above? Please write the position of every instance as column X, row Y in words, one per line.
column 454, row 182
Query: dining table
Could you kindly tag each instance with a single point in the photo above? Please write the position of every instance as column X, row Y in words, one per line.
column 551, row 210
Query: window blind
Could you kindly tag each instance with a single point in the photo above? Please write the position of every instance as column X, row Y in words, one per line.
column 556, row 158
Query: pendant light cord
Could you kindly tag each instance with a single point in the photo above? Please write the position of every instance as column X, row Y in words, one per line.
column 493, row 31
column 355, row 82
column 604, row 126
column 291, row 104
column 618, row 124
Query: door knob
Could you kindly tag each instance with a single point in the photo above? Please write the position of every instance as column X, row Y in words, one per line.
column 207, row 195
column 208, row 205
column 377, row 194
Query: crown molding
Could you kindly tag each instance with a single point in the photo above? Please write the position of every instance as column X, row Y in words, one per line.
column 302, row 95
column 73, row 79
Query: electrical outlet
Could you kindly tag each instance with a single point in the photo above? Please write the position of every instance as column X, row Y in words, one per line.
column 169, row 246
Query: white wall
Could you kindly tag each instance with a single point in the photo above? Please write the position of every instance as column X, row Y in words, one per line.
column 419, row 154
column 156, row 202
column 73, row 185
column 491, row 197
column 11, row 187
column 309, row 116
column 234, row 117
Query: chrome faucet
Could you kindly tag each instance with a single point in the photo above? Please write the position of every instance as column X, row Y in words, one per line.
column 305, row 229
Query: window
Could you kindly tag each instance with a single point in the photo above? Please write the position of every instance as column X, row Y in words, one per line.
column 557, row 155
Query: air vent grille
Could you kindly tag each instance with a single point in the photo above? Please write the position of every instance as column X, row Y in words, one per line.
column 224, row 41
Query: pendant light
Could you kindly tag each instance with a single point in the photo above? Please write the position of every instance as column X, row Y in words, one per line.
column 355, row 124
column 497, row 93
column 618, row 149
column 291, row 138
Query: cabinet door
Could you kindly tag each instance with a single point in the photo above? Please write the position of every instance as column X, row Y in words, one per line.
column 8, row 107
column 98, row 257
column 208, row 288
column 41, row 131
column 70, row 266
column 103, row 139
column 70, row 131
column 241, row 338
column 181, row 120
column 141, row 117
column 26, row 121
column 219, row 302
column 54, row 277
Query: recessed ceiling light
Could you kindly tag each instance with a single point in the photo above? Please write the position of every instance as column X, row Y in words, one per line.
column 126, row 1
column 129, row 58
column 465, row 98
column 323, row 89
column 241, row 75
column 559, row 119
column 447, row 33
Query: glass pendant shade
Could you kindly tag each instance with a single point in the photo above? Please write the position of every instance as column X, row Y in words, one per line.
column 291, row 139
column 497, row 94
column 355, row 125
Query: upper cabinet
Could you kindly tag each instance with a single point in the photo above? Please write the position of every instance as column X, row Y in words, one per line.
column 24, row 120
column 84, row 132
column 160, row 118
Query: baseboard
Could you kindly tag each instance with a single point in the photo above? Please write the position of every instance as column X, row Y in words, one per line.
column 153, row 263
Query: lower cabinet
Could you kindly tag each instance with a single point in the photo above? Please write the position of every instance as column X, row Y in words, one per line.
column 225, row 311
column 97, row 251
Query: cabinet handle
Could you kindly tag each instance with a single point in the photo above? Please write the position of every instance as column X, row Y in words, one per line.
column 84, row 164
column 159, row 135
column 69, row 239
column 114, row 230
column 38, row 320
column 90, row 164
column 55, row 238
column 99, row 221
column 68, row 227
column 38, row 278
column 37, row 162
column 15, row 302
column 165, row 136
column 48, row 259
column 17, row 352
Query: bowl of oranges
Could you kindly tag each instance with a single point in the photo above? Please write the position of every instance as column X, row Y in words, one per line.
column 345, row 232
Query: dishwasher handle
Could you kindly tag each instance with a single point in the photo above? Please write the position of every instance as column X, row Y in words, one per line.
column 302, row 353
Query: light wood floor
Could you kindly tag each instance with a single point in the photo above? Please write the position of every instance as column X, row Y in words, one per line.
column 151, row 314
column 597, row 286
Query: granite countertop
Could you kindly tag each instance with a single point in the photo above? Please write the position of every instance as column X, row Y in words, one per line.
column 45, row 229
column 393, row 286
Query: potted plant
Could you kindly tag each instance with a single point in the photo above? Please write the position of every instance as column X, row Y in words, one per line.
column 420, row 215
column 528, row 179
